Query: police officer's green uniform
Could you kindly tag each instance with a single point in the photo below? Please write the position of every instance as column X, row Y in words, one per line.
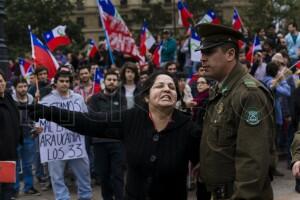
column 237, row 148
column 295, row 147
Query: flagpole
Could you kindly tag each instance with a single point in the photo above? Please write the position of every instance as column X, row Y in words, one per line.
column 34, row 66
column 240, row 19
column 253, row 47
column 296, row 63
column 174, row 17
column 3, row 47
column 283, row 74
column 105, row 34
column 94, row 78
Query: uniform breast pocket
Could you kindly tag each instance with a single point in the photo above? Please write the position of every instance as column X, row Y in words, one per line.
column 226, row 136
column 220, row 136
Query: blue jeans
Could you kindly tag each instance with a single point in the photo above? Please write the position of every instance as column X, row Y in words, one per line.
column 90, row 152
column 39, row 167
column 80, row 168
column 109, row 168
column 26, row 153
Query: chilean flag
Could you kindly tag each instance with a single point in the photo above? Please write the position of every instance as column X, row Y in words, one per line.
column 98, row 77
column 237, row 25
column 118, row 34
column 184, row 15
column 195, row 42
column 42, row 56
column 210, row 17
column 297, row 64
column 146, row 39
column 157, row 55
column 92, row 49
column 26, row 67
column 56, row 37
column 256, row 46
column 236, row 21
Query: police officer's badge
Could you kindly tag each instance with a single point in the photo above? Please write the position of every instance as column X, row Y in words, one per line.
column 252, row 116
column 220, row 108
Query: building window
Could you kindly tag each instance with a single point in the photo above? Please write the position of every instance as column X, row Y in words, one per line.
column 80, row 21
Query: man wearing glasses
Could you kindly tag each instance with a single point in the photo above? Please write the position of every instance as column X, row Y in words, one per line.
column 237, row 145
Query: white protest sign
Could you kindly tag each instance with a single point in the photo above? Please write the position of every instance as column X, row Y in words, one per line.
column 56, row 142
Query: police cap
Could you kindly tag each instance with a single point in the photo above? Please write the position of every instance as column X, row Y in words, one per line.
column 215, row 35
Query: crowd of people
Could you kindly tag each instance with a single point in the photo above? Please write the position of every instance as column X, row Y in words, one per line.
column 148, row 122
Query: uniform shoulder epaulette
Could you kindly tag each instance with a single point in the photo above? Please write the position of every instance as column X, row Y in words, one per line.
column 250, row 83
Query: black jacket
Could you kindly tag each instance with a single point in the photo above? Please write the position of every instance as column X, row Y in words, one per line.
column 44, row 87
column 157, row 162
column 10, row 131
column 101, row 102
column 138, row 101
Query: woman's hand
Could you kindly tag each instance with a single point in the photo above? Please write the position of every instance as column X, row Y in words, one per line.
column 191, row 104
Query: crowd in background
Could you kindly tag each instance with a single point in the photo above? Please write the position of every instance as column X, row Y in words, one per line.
column 121, row 87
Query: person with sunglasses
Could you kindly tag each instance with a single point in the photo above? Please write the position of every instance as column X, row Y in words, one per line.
column 237, row 145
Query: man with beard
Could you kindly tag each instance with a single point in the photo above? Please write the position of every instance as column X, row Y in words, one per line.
column 44, row 88
column 109, row 153
column 85, row 89
column 26, row 150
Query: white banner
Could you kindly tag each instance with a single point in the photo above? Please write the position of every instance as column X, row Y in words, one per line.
column 58, row 143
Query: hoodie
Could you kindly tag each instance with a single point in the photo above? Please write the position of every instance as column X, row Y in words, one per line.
column 25, row 121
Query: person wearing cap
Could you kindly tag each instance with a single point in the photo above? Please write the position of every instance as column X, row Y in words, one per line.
column 237, row 145
column 168, row 51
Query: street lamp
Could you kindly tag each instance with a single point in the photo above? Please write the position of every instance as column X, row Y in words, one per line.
column 3, row 47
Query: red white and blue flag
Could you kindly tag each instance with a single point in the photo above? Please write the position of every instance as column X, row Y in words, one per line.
column 42, row 56
column 92, row 49
column 98, row 78
column 195, row 42
column 146, row 39
column 26, row 67
column 210, row 17
column 256, row 46
column 237, row 25
column 56, row 37
column 237, row 21
column 297, row 64
column 184, row 16
column 120, row 37
column 156, row 57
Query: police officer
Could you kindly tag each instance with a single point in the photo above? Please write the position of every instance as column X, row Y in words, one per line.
column 237, row 148
column 295, row 150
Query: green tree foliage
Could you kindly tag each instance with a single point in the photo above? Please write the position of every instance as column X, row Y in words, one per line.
column 155, row 15
column 199, row 7
column 42, row 15
column 261, row 13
